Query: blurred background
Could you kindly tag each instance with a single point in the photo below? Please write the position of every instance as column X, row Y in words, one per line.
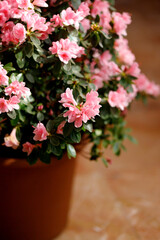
column 122, row 202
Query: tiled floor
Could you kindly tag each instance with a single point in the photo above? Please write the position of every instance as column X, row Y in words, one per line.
column 123, row 202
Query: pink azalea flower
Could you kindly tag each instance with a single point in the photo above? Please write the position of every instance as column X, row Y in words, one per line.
column 66, row 50
column 124, row 53
column 134, row 70
column 60, row 127
column 13, row 103
column 83, row 10
column 105, row 22
column 3, row 76
column 3, row 105
column 40, row 3
column 28, row 147
column 19, row 32
column 68, row 17
column 7, row 34
column 100, row 7
column 11, row 140
column 86, row 24
column 120, row 22
column 144, row 85
column 118, row 98
column 3, row 19
column 18, row 88
column 16, row 13
column 34, row 21
column 56, row 21
column 24, row 4
column 40, row 132
column 83, row 112
column 67, row 98
column 4, row 12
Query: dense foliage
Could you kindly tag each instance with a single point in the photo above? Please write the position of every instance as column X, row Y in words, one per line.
column 66, row 71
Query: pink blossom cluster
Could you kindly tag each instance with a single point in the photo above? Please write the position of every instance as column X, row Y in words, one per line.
column 124, row 54
column 120, row 22
column 22, row 10
column 66, row 50
column 121, row 98
column 144, row 85
column 79, row 113
column 15, row 90
column 101, row 8
column 106, row 68
column 69, row 17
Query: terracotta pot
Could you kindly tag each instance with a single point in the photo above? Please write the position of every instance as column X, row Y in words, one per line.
column 34, row 200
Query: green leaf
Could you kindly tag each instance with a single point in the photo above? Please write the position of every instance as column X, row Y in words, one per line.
column 116, row 148
column 18, row 134
column 54, row 140
column 29, row 49
column 35, row 40
column 40, row 116
column 71, row 151
column 12, row 114
column 75, row 137
column 50, row 125
column 44, row 157
column 30, row 77
column 68, row 128
column 105, row 162
column 21, row 116
column 88, row 127
column 76, row 3
column 8, row 67
column 21, row 62
column 33, row 157
column 132, row 139
column 76, row 71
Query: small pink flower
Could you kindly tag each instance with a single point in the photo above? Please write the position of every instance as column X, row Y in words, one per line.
column 3, row 76
column 34, row 21
column 40, row 3
column 28, row 147
column 124, row 53
column 100, row 7
column 120, row 22
column 13, row 103
column 83, row 112
column 105, row 20
column 40, row 132
column 86, row 24
column 3, row 19
column 19, row 32
column 17, row 88
column 56, row 21
column 134, row 70
column 3, row 105
column 144, row 85
column 11, row 140
column 60, row 127
column 118, row 98
column 67, row 98
column 66, row 50
column 25, row 4
column 68, row 17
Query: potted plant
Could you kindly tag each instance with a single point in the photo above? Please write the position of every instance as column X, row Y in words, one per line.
column 67, row 74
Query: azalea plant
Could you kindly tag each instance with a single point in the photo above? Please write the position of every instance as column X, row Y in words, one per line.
column 66, row 72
